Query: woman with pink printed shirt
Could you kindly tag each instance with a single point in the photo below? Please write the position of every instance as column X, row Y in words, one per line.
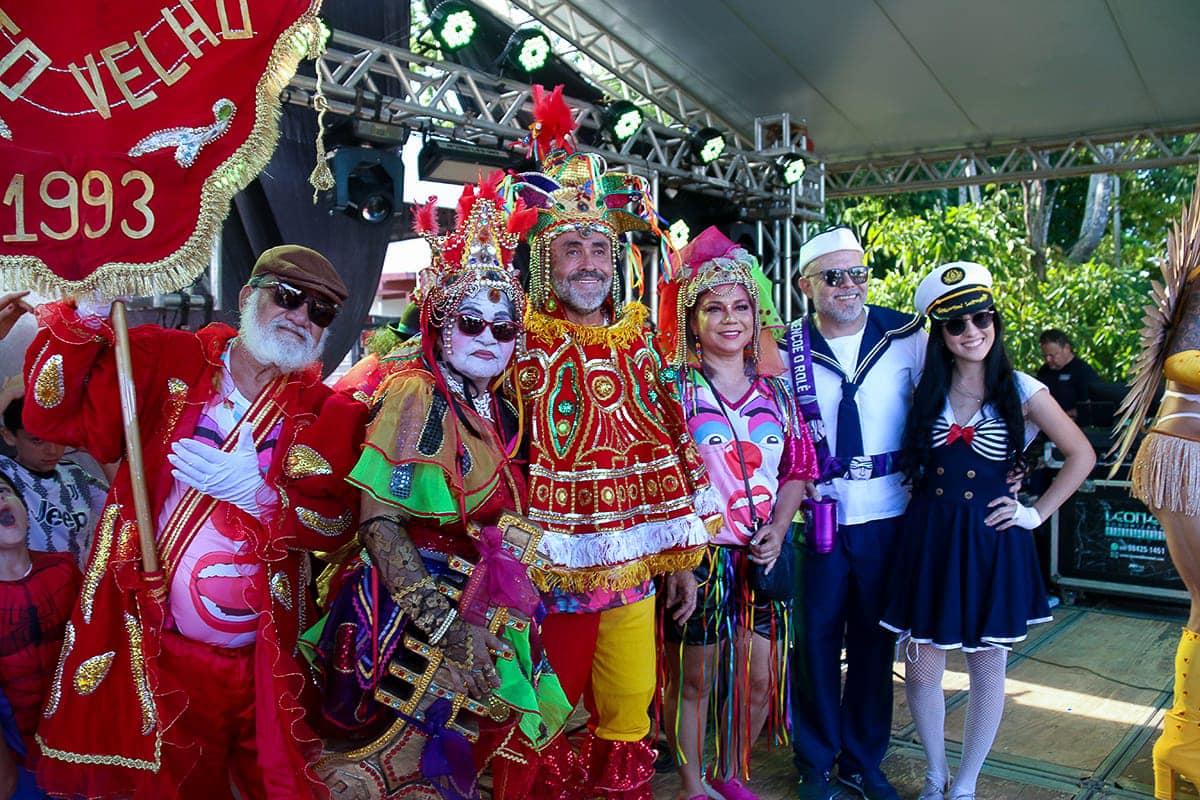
column 761, row 461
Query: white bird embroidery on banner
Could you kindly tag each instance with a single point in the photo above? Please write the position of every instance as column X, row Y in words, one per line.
column 188, row 142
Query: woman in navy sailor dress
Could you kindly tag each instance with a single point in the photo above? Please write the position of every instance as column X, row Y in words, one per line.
column 967, row 575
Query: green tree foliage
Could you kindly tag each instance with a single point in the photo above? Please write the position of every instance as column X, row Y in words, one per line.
column 1098, row 302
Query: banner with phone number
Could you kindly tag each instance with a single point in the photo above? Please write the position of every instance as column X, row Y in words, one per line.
column 123, row 136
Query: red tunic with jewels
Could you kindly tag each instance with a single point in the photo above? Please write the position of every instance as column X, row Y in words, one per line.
column 105, row 727
column 614, row 477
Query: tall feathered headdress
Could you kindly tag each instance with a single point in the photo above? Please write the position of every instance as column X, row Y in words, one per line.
column 575, row 191
column 713, row 261
column 476, row 254
column 1159, row 326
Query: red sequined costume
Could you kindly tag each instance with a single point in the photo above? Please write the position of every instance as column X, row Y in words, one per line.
column 133, row 702
column 614, row 477
column 441, row 463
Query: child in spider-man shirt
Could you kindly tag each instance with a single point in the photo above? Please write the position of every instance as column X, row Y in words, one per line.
column 37, row 593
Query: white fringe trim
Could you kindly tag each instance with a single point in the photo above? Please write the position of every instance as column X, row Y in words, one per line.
column 708, row 502
column 583, row 550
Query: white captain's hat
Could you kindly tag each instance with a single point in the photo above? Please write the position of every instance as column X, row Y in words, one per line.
column 826, row 242
column 954, row 289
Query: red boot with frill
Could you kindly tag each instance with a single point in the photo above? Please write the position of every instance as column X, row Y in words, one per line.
column 617, row 770
column 552, row 773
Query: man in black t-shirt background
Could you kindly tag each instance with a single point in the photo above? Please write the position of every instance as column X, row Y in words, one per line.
column 1064, row 373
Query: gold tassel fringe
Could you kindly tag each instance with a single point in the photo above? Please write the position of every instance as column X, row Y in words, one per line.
column 616, row 578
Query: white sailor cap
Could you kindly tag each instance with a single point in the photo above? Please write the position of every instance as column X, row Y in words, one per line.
column 827, row 242
column 954, row 289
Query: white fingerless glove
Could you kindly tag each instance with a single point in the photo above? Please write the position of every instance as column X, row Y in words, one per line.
column 1026, row 517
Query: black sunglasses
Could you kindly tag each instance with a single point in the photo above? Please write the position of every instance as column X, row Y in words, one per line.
column 320, row 312
column 834, row 277
column 504, row 330
column 982, row 320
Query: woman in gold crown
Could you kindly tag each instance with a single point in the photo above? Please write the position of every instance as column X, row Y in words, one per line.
column 761, row 461
column 1166, row 473
column 440, row 457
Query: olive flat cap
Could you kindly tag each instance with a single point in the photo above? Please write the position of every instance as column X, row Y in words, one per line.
column 302, row 268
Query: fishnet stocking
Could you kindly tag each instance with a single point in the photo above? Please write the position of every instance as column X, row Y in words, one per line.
column 985, row 706
column 923, row 668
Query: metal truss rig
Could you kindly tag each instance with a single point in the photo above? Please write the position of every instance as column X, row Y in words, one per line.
column 444, row 99
column 638, row 80
column 1062, row 158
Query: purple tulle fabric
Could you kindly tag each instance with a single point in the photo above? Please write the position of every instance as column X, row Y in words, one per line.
column 499, row 580
column 446, row 760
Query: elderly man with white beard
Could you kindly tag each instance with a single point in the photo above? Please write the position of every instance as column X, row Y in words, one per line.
column 184, row 682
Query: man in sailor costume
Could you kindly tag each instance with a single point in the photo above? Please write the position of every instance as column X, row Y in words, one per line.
column 856, row 366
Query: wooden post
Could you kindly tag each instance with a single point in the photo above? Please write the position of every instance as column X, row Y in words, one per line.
column 133, row 439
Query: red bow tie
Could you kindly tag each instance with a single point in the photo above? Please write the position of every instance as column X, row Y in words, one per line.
column 967, row 434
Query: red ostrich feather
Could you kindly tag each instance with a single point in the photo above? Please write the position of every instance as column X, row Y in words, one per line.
column 465, row 202
column 553, row 121
column 521, row 219
column 425, row 219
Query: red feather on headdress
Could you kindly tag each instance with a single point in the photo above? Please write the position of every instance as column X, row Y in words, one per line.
column 489, row 186
column 553, row 122
column 522, row 218
column 425, row 219
column 465, row 201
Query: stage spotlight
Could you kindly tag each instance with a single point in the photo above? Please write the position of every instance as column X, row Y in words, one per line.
column 707, row 145
column 679, row 232
column 791, row 168
column 369, row 184
column 453, row 24
column 462, row 163
column 527, row 50
column 622, row 119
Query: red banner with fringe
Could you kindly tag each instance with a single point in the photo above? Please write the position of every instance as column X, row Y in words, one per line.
column 125, row 131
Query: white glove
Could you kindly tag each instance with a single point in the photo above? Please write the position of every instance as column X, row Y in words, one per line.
column 1026, row 517
column 233, row 477
column 96, row 305
column 93, row 306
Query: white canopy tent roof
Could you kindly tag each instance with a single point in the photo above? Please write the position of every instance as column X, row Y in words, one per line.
column 889, row 77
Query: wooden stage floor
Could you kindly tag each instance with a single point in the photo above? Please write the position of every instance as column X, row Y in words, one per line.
column 1086, row 695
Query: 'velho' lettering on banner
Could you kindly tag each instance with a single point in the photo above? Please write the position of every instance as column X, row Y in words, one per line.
column 123, row 137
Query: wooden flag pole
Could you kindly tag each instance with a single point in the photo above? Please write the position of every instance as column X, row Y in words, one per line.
column 133, row 438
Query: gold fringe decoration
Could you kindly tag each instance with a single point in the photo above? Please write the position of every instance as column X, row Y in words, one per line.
column 1166, row 473
column 618, row 335
column 1161, row 317
column 616, row 578
column 181, row 267
column 321, row 178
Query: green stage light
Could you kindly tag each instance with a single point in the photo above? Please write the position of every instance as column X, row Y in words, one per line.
column 679, row 232
column 454, row 24
column 792, row 168
column 622, row 119
column 527, row 50
column 707, row 145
